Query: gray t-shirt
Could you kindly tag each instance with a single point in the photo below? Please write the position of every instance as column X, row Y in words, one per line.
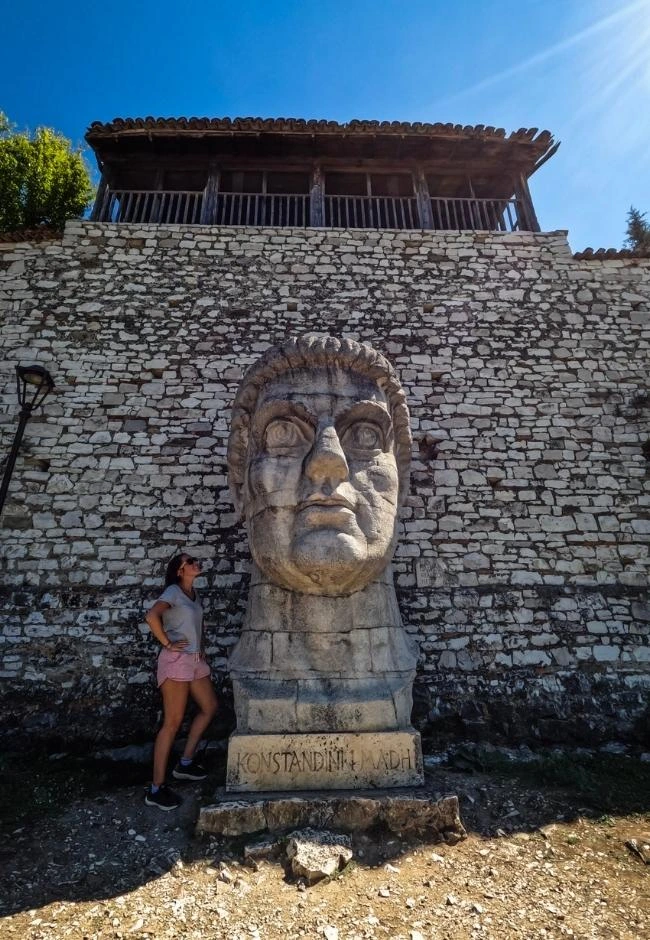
column 184, row 618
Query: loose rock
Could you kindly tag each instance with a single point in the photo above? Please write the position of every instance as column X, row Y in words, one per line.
column 317, row 854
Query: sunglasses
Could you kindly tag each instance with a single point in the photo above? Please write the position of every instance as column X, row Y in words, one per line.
column 191, row 561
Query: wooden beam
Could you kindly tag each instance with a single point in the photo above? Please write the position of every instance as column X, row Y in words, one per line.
column 210, row 193
column 316, row 201
column 487, row 153
column 423, row 198
column 100, row 198
column 476, row 168
column 525, row 205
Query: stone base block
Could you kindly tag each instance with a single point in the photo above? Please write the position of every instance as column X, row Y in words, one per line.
column 346, row 761
column 405, row 814
column 307, row 705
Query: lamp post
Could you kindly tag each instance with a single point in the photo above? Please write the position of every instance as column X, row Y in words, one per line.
column 34, row 384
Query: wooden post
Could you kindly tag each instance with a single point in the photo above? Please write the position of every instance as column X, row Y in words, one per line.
column 210, row 193
column 525, row 206
column 100, row 198
column 423, row 199
column 474, row 206
column 156, row 202
column 316, row 198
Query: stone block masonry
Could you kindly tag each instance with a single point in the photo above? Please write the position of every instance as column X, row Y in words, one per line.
column 523, row 564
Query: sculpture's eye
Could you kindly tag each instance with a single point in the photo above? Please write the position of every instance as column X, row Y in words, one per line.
column 282, row 434
column 364, row 436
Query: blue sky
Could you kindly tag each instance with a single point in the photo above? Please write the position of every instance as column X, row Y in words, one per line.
column 579, row 68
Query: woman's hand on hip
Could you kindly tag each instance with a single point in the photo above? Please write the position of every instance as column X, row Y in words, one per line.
column 177, row 646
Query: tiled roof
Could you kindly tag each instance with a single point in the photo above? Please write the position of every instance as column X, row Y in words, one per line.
column 41, row 233
column 540, row 139
column 606, row 253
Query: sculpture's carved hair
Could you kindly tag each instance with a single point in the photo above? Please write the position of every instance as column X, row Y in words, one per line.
column 311, row 351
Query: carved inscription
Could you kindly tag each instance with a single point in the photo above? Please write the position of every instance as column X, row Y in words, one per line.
column 328, row 761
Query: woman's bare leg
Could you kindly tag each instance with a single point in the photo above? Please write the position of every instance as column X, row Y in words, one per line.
column 202, row 691
column 174, row 696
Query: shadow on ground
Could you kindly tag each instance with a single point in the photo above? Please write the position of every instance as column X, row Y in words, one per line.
column 76, row 829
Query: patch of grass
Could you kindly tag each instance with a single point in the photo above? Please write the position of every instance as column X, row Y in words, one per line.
column 606, row 820
column 347, row 869
column 609, row 783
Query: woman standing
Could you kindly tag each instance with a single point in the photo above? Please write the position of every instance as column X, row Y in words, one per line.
column 176, row 621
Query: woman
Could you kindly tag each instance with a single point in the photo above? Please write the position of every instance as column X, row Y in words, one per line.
column 176, row 621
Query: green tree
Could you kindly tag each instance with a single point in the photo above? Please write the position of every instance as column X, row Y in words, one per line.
column 638, row 231
column 43, row 181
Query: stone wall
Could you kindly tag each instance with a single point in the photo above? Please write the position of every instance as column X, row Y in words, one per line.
column 523, row 564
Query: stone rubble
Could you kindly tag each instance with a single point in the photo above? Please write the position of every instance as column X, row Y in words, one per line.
column 640, row 848
column 316, row 854
column 556, row 872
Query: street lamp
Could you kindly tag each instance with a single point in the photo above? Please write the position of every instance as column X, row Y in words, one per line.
column 33, row 384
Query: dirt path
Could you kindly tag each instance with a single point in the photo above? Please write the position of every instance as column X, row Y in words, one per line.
column 537, row 864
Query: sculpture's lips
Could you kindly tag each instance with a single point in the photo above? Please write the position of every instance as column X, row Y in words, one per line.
column 326, row 502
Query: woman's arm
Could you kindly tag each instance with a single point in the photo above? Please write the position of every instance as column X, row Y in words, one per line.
column 153, row 618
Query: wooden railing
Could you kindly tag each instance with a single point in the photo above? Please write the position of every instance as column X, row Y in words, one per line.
column 372, row 212
column 177, row 207
column 296, row 210
column 274, row 209
column 490, row 215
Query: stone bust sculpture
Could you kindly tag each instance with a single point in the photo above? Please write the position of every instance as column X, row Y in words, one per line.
column 318, row 458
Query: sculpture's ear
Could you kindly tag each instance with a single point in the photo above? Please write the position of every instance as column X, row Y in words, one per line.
column 236, row 493
column 236, row 460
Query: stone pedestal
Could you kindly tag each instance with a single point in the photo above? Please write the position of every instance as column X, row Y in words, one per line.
column 322, row 673
column 273, row 762
column 405, row 813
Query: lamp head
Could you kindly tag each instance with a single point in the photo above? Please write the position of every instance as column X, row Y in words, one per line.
column 34, row 384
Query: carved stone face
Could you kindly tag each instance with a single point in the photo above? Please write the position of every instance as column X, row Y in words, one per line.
column 321, row 487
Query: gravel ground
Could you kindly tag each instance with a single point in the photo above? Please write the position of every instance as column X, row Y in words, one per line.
column 536, row 864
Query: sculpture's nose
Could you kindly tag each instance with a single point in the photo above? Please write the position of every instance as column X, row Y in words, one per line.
column 326, row 462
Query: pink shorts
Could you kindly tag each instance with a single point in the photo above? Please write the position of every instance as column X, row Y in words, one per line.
column 182, row 667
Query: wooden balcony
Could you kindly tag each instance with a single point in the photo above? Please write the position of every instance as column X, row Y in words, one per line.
column 267, row 209
column 371, row 212
column 177, row 208
column 480, row 215
column 299, row 211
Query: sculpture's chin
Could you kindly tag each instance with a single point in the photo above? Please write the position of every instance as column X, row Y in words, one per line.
column 328, row 562
column 333, row 561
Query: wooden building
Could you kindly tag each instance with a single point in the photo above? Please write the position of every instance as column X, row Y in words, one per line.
column 289, row 172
